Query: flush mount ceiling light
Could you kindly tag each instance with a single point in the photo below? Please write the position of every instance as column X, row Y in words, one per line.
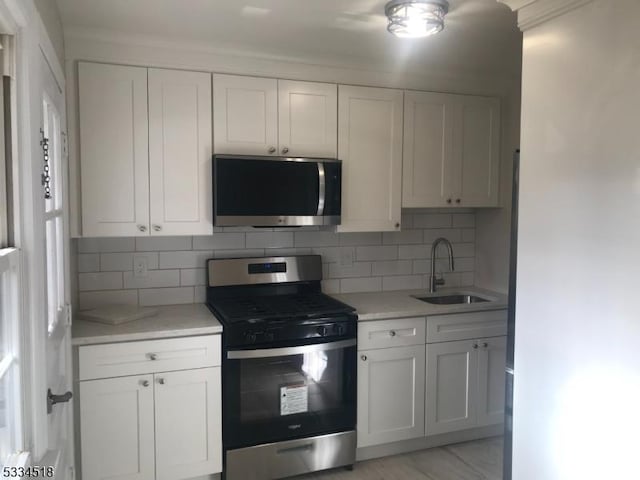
column 416, row 18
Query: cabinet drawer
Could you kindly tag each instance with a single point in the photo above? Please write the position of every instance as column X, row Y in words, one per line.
column 463, row 326
column 391, row 333
column 133, row 358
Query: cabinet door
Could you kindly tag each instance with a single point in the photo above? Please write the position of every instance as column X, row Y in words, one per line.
column 188, row 423
column 477, row 139
column 370, row 147
column 114, row 150
column 245, row 115
column 428, row 167
column 390, row 395
column 180, row 152
column 452, row 373
column 116, row 427
column 308, row 119
column 492, row 356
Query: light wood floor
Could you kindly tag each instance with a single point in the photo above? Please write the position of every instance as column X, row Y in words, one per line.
column 478, row 460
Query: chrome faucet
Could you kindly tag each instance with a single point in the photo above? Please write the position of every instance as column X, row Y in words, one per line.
column 433, row 281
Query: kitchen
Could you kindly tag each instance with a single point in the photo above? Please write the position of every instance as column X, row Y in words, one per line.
column 269, row 318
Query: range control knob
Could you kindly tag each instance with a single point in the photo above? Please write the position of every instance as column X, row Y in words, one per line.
column 322, row 331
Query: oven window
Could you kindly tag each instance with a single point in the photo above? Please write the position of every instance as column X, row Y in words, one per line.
column 289, row 396
column 281, row 386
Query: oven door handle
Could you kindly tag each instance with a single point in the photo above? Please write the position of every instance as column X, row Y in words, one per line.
column 284, row 351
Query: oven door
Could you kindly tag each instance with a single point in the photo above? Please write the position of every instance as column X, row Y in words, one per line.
column 290, row 392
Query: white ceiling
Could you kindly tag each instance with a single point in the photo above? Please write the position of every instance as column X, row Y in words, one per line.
column 480, row 35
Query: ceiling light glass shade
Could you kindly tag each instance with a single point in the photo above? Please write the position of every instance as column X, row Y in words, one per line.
column 416, row 18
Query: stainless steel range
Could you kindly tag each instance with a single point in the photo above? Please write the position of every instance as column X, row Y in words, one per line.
column 288, row 370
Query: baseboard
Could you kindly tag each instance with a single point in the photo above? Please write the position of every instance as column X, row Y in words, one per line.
column 396, row 448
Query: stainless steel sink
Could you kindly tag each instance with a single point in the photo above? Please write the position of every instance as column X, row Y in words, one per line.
column 453, row 299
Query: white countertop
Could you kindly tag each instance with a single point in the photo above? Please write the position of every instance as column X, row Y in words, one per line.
column 402, row 304
column 171, row 321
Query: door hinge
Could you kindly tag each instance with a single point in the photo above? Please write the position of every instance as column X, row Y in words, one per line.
column 67, row 313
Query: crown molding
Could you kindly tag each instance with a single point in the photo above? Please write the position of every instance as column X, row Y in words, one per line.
column 532, row 13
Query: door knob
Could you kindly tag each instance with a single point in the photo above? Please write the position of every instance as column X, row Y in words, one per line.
column 392, row 333
column 53, row 399
column 485, row 345
column 161, row 381
column 458, row 200
column 157, row 228
column 142, row 228
column 152, row 356
column 448, row 200
column 272, row 149
column 364, row 358
column 475, row 345
column 144, row 383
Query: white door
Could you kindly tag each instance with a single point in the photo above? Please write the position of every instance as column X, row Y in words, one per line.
column 117, row 432
column 428, row 165
column 54, row 360
column 180, row 152
column 390, row 395
column 114, row 150
column 308, row 119
column 492, row 356
column 477, row 142
column 188, row 423
column 452, row 373
column 370, row 147
column 245, row 115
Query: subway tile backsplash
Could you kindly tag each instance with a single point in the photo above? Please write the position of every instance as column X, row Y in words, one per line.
column 352, row 262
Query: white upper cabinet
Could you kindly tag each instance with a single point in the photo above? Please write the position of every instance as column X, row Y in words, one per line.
column 308, row 119
column 180, row 152
column 451, row 151
column 478, row 138
column 145, row 151
column 428, row 148
column 245, row 115
column 370, row 147
column 114, row 150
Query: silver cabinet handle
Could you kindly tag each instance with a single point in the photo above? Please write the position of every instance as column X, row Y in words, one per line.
column 392, row 333
column 364, row 358
column 321, row 189
column 161, row 381
column 142, row 228
column 285, row 150
column 144, row 383
column 152, row 356
column 272, row 149
column 157, row 228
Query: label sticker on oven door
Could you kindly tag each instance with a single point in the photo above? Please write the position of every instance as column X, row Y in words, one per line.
column 294, row 399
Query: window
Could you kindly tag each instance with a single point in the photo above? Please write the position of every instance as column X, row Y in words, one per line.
column 54, row 218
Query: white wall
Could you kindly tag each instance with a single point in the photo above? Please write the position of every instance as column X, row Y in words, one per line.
column 577, row 360
column 50, row 15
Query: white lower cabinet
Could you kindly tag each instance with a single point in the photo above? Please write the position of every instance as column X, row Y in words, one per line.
column 187, row 429
column 451, row 377
column 116, row 422
column 154, row 426
column 390, row 394
column 492, row 356
column 465, row 384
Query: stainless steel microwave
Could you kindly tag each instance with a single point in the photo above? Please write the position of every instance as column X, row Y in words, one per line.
column 276, row 191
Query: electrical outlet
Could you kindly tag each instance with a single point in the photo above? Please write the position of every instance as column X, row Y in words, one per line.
column 346, row 257
column 140, row 266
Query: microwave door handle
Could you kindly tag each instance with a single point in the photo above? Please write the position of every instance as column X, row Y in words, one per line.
column 321, row 189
